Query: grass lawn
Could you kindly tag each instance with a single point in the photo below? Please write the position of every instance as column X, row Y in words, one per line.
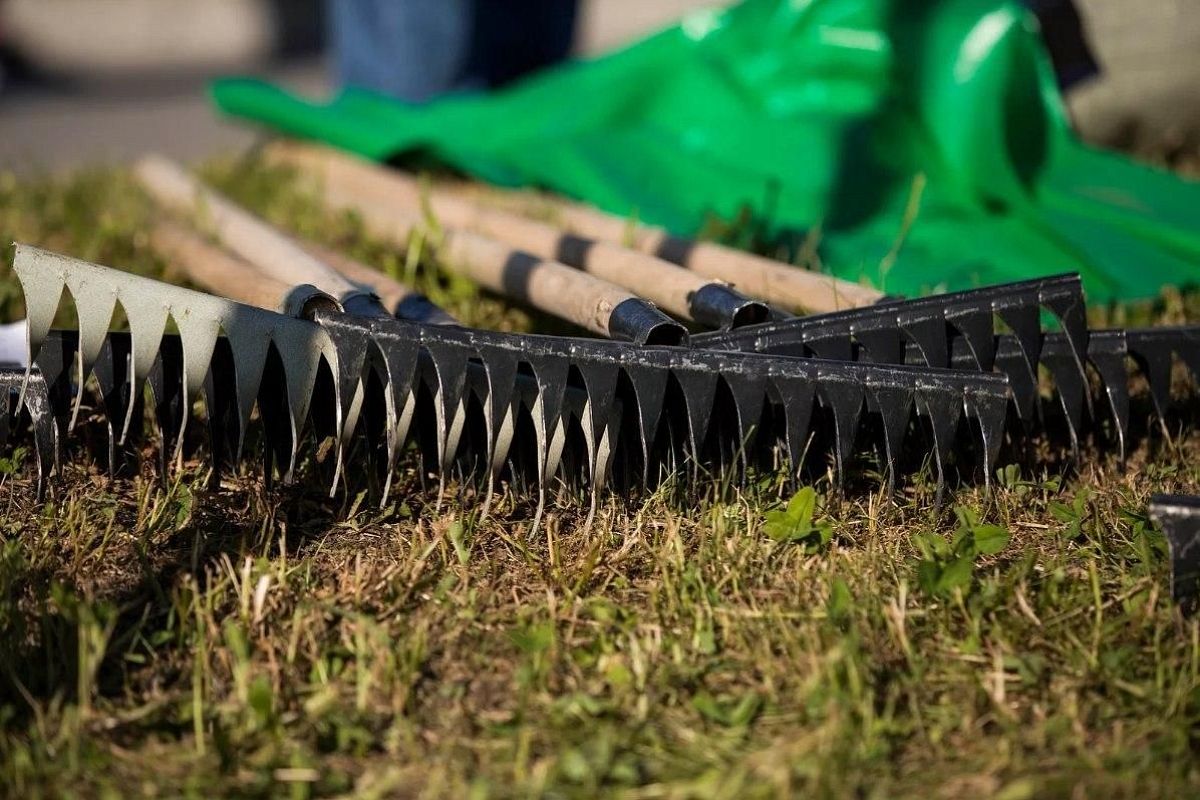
column 242, row 642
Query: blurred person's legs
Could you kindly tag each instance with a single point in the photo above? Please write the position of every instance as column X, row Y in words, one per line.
column 1066, row 41
column 417, row 49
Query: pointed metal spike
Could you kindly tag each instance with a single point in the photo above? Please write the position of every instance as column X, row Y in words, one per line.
column 1153, row 350
column 198, row 338
column 748, row 391
column 501, row 370
column 929, row 334
column 1108, row 353
column 166, row 387
column 249, row 346
column 220, row 393
column 894, row 406
column 550, row 374
column 881, row 345
column 1022, row 381
column 1070, row 389
column 796, row 396
column 42, row 280
column 845, row 399
column 600, row 382
column 1179, row 517
column 988, row 410
column 834, row 348
column 943, row 411
column 650, row 390
column 112, row 380
column 699, row 391
column 147, row 323
column 1071, row 311
column 450, row 363
column 94, row 307
column 36, row 403
column 977, row 327
column 1027, row 328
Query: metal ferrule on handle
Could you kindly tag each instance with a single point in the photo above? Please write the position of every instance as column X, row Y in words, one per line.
column 717, row 305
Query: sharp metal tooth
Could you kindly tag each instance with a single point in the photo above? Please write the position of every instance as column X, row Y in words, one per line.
column 748, row 391
column 988, row 410
column 833, row 348
column 147, row 324
column 1108, row 353
column 109, row 370
column 1071, row 311
column 94, row 306
column 930, row 336
column 352, row 347
column 36, row 402
column 301, row 360
column 550, row 374
column 1070, row 388
column 53, row 356
column 845, row 399
column 166, row 387
column 699, row 391
column 650, row 390
column 220, row 393
column 1179, row 517
column 943, row 411
column 42, row 281
column 894, row 406
column 1026, row 327
column 978, row 329
column 600, row 382
column 501, row 373
column 796, row 396
column 1022, row 381
column 1156, row 366
column 881, row 345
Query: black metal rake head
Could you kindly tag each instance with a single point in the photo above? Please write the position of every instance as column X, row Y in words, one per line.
column 465, row 394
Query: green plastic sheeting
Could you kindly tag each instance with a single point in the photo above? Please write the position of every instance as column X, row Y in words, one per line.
column 925, row 140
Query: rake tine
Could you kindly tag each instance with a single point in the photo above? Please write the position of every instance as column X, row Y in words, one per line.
column 1179, row 517
column 35, row 401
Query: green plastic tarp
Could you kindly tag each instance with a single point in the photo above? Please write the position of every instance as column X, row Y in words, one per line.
column 924, row 140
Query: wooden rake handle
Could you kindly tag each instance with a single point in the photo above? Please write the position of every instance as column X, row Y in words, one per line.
column 221, row 272
column 645, row 259
column 273, row 253
column 581, row 299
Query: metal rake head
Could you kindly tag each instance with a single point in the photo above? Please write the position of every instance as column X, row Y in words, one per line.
column 252, row 334
column 1152, row 352
column 957, row 330
column 481, row 397
column 672, row 400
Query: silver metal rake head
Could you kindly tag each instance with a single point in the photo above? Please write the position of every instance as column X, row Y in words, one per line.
column 149, row 307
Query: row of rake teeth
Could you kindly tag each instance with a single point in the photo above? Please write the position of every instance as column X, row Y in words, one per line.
column 958, row 329
column 672, row 394
column 1111, row 353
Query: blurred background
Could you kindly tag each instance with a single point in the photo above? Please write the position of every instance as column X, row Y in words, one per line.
column 83, row 81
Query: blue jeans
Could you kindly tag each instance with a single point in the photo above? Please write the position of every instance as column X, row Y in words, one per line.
column 415, row 50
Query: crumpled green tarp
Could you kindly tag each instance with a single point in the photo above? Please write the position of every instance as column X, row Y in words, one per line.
column 925, row 140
